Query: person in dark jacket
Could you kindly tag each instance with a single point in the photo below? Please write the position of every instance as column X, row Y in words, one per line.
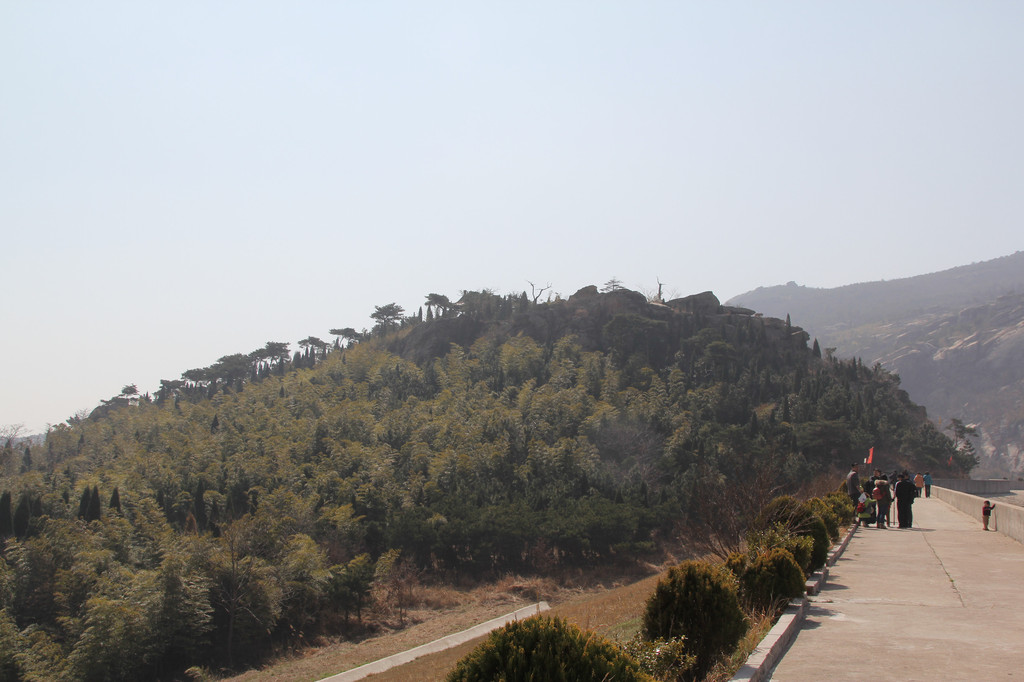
column 883, row 499
column 905, row 492
column 853, row 489
column 853, row 483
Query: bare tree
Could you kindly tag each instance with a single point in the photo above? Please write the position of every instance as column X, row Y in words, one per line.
column 659, row 295
column 394, row 583
column 535, row 292
column 721, row 511
column 9, row 435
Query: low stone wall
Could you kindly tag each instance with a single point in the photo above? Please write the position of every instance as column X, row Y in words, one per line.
column 1008, row 519
column 762, row 660
column 987, row 486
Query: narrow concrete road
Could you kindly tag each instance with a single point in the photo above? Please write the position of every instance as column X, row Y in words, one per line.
column 941, row 601
column 448, row 642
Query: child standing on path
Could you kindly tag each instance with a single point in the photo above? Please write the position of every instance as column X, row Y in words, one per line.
column 986, row 512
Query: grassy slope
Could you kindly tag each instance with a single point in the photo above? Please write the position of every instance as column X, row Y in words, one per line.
column 613, row 612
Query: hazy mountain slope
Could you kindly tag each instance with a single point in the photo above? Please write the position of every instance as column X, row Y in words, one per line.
column 967, row 364
column 822, row 311
column 956, row 338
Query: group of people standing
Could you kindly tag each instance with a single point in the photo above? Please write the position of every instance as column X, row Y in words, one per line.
column 873, row 499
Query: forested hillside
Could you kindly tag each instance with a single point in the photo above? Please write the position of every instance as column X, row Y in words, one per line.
column 267, row 497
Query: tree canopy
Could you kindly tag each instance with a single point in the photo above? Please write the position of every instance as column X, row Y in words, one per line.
column 261, row 496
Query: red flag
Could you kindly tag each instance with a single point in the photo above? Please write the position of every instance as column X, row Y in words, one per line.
column 951, row 460
column 871, row 455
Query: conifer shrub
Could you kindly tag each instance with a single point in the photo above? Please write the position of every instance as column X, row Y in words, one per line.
column 823, row 511
column 700, row 602
column 841, row 505
column 543, row 648
column 802, row 549
column 800, row 519
column 819, row 535
column 779, row 536
column 771, row 579
column 737, row 563
column 785, row 510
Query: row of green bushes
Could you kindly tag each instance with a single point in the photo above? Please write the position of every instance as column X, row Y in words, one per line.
column 697, row 614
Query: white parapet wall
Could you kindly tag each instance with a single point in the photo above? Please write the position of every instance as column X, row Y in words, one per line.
column 1007, row 519
column 980, row 486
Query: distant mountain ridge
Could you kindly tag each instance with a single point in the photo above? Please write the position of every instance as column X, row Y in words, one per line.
column 817, row 310
column 955, row 337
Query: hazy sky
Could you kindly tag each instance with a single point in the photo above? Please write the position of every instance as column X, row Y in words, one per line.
column 184, row 180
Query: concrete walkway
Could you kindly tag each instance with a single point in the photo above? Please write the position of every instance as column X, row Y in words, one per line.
column 940, row 601
column 448, row 642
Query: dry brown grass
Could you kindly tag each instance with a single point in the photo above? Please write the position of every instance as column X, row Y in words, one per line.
column 608, row 604
column 614, row 612
column 760, row 624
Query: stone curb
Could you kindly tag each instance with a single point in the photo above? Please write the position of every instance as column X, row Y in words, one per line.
column 763, row 659
column 818, row 578
column 437, row 645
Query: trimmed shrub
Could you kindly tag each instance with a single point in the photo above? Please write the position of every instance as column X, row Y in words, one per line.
column 841, row 505
column 542, row 648
column 737, row 563
column 800, row 519
column 778, row 536
column 698, row 601
column 802, row 549
column 784, row 510
column 816, row 531
column 824, row 512
column 771, row 578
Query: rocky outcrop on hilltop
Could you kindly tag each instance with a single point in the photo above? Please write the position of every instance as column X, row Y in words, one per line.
column 586, row 315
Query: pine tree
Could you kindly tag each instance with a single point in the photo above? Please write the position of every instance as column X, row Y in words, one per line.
column 6, row 516
column 94, row 513
column 22, row 515
column 83, row 504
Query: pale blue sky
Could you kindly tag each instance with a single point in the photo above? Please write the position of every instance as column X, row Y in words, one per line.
column 180, row 181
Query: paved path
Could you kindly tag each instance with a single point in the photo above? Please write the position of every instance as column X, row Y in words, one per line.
column 941, row 601
column 448, row 642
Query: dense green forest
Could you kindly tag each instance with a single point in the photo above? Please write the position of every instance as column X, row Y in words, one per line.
column 268, row 497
